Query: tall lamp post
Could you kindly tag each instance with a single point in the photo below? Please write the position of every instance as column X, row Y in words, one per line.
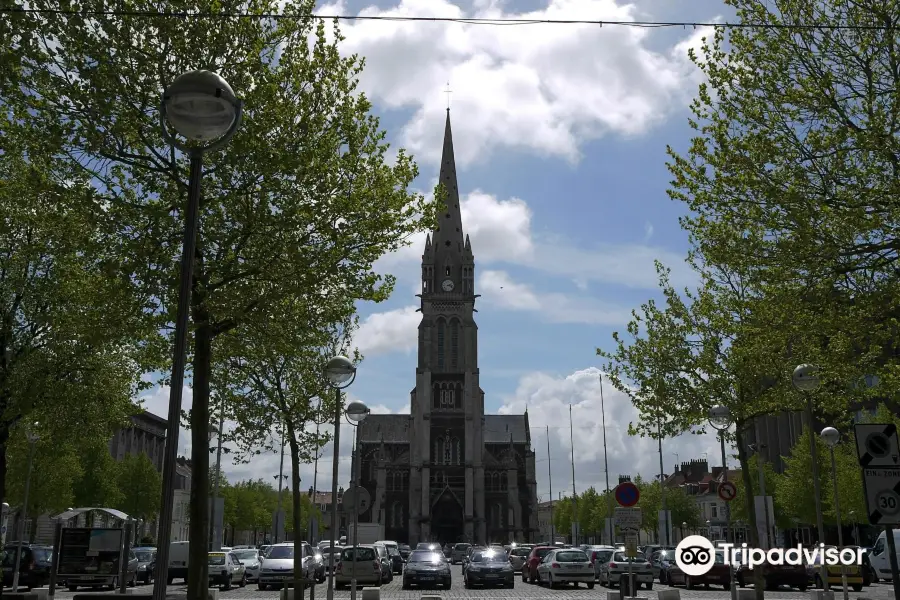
column 831, row 437
column 340, row 374
column 720, row 418
column 33, row 438
column 356, row 414
column 202, row 107
column 806, row 380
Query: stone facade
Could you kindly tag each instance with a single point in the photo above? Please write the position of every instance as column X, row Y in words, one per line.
column 447, row 472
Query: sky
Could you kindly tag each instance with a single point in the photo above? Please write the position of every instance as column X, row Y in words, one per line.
column 560, row 134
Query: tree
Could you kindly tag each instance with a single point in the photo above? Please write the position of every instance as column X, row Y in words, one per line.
column 793, row 170
column 140, row 486
column 99, row 481
column 683, row 508
column 562, row 516
column 739, row 507
column 300, row 205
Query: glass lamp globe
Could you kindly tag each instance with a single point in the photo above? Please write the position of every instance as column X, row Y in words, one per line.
column 806, row 378
column 200, row 105
column 830, row 436
column 357, row 412
column 720, row 417
column 340, row 371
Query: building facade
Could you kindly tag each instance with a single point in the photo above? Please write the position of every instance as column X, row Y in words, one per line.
column 447, row 472
column 145, row 434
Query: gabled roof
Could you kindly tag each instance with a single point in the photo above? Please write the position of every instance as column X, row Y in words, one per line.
column 497, row 429
column 393, row 429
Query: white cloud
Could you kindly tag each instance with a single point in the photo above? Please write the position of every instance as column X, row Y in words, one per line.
column 548, row 397
column 496, row 287
column 391, row 331
column 540, row 88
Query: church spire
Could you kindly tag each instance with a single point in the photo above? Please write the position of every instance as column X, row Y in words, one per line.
column 448, row 235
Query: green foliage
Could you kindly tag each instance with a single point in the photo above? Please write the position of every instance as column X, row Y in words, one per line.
column 684, row 508
column 55, row 469
column 790, row 178
column 99, row 482
column 140, row 486
column 739, row 507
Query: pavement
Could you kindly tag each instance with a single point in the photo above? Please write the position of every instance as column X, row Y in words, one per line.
column 522, row 591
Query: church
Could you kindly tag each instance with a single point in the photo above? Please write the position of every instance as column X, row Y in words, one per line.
column 447, row 472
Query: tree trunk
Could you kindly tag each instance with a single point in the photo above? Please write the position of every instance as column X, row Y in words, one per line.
column 4, row 440
column 759, row 583
column 198, row 574
column 296, row 517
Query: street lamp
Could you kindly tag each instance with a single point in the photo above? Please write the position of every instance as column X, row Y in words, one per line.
column 855, row 527
column 33, row 438
column 831, row 437
column 720, row 418
column 806, row 380
column 356, row 414
column 684, row 527
column 202, row 107
column 340, row 374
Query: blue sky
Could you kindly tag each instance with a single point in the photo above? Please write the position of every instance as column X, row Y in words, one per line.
column 560, row 134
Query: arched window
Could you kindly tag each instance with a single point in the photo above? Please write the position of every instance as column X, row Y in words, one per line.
column 457, row 456
column 397, row 515
column 454, row 344
column 404, row 478
column 495, row 481
column 499, row 512
column 440, row 344
column 503, row 482
column 448, row 451
column 439, row 451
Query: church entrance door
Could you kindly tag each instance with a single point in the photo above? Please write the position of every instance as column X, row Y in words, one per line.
column 447, row 519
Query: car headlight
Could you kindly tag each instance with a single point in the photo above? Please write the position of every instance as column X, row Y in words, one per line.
column 142, row 567
column 410, row 570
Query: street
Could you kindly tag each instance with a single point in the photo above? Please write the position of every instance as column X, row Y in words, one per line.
column 392, row 591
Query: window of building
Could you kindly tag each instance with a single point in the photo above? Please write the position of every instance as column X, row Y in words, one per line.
column 440, row 345
column 714, row 511
column 397, row 515
column 454, row 457
column 447, row 271
column 454, row 344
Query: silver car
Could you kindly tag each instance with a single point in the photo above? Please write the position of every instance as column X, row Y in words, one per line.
column 277, row 568
column 362, row 564
column 611, row 572
column 251, row 560
column 569, row 565
column 517, row 557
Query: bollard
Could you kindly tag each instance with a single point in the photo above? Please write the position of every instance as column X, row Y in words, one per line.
column 371, row 594
column 821, row 595
column 43, row 593
column 746, row 594
column 668, row 595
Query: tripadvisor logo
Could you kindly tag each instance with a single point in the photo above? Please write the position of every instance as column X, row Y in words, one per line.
column 695, row 555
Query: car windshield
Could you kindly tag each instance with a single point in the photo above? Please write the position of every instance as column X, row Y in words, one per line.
column 393, row 551
column 542, row 552
column 246, row 554
column 145, row 556
column 332, row 550
column 216, row 559
column 620, row 557
column 571, row 556
column 421, row 556
column 720, row 558
column 519, row 552
column 279, row 552
column 602, row 555
column 462, row 547
column 495, row 557
column 362, row 554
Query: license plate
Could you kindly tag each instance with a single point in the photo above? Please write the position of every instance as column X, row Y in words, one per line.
column 492, row 576
column 428, row 579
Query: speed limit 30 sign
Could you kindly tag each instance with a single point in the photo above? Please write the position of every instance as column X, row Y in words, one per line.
column 882, row 495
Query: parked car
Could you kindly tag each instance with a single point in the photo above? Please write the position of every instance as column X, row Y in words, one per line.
column 489, row 568
column 568, row 565
column 426, row 568
column 460, row 551
column 330, row 556
column 361, row 563
column 610, row 572
column 774, row 576
column 834, row 574
column 428, row 546
column 719, row 574
column 146, row 566
column 249, row 557
column 518, row 556
column 387, row 569
column 107, row 580
column 34, row 565
column 529, row 569
column 396, row 559
column 599, row 556
column 225, row 570
column 277, row 568
column 661, row 562
column 405, row 551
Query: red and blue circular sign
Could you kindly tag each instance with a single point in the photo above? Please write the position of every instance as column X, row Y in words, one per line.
column 627, row 494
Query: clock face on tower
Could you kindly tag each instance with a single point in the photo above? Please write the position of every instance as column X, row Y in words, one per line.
column 447, row 285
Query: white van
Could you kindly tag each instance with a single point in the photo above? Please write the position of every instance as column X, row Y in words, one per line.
column 881, row 558
column 178, row 561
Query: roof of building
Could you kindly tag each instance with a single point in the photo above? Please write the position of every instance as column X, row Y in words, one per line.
column 395, row 429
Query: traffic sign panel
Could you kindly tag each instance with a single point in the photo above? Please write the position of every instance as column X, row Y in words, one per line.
column 882, row 495
column 727, row 491
column 628, row 519
column 877, row 444
column 631, row 544
column 627, row 494
column 356, row 499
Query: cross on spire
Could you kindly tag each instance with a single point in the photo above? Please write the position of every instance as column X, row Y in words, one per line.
column 448, row 92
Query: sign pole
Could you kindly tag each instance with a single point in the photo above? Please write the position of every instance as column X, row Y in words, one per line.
column 892, row 552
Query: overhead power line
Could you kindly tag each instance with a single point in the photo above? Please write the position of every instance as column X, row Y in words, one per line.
column 463, row 20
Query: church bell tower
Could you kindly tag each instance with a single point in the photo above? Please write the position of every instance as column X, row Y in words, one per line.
column 447, row 405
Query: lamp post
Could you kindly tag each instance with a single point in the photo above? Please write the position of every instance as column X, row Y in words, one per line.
column 214, row 542
column 340, row 374
column 684, row 527
column 855, row 528
column 33, row 438
column 720, row 418
column 806, row 380
column 202, row 107
column 831, row 437
column 356, row 414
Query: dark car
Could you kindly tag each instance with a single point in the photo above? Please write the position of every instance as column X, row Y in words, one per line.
column 34, row 565
column 794, row 576
column 459, row 553
column 405, row 551
column 426, row 568
column 662, row 561
column 719, row 574
column 489, row 568
column 146, row 558
column 529, row 570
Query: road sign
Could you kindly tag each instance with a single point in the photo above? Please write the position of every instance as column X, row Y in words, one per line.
column 356, row 499
column 727, row 491
column 877, row 445
column 882, row 495
column 631, row 544
column 627, row 494
column 628, row 519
